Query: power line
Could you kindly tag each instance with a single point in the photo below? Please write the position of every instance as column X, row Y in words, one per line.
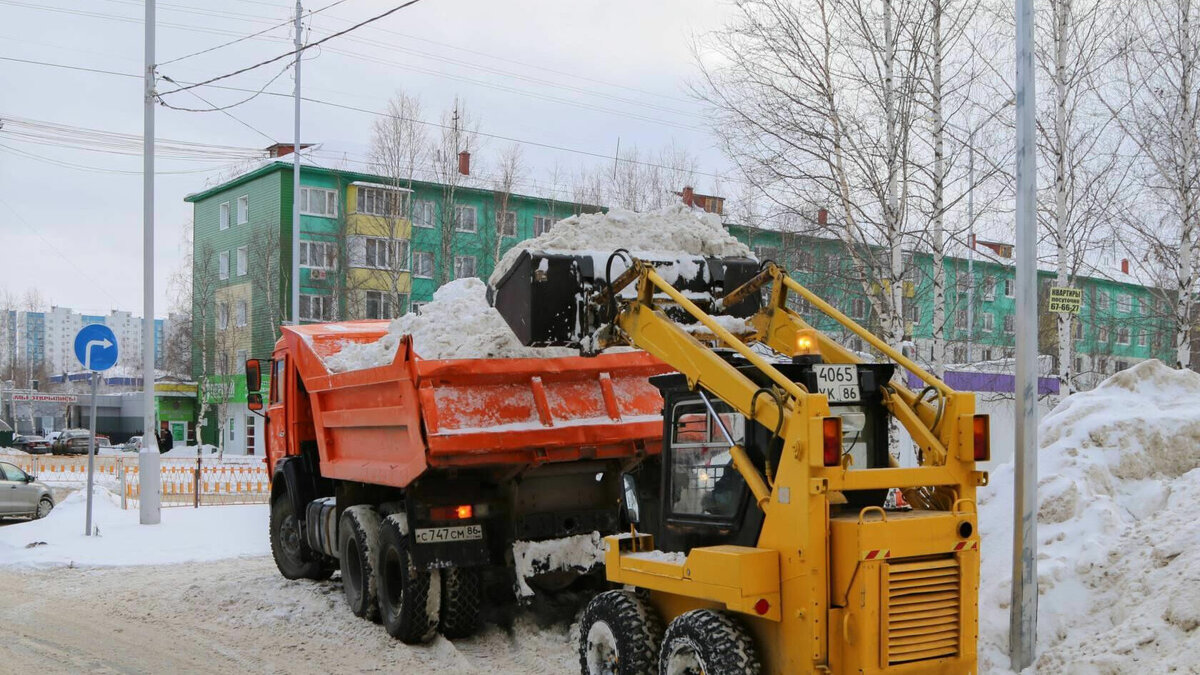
column 227, row 113
column 250, row 36
column 214, row 108
column 294, row 51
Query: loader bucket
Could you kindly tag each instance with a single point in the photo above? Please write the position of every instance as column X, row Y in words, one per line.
column 546, row 297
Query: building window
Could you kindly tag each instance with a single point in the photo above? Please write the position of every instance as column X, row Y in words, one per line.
column 240, row 362
column 541, row 224
column 223, row 265
column 960, row 319
column 963, row 283
column 1101, row 300
column 1121, row 365
column 989, row 322
column 321, row 255
column 506, row 222
column 240, row 314
column 378, row 254
column 1123, row 335
column 1141, row 338
column 318, row 202
column 960, row 354
column 1008, row 323
column 382, row 202
column 1008, row 288
column 422, row 264
column 464, row 219
column 224, row 215
column 1078, row 365
column 989, row 289
column 316, row 308
column 1078, row 329
column 464, row 266
column 858, row 308
column 379, row 305
column 222, row 316
column 242, row 261
column 243, row 214
column 987, row 353
column 422, row 214
column 914, row 313
column 1103, row 334
column 1125, row 303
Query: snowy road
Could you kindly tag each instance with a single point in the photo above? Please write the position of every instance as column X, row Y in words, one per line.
column 228, row 617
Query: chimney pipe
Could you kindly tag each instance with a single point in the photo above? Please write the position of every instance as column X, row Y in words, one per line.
column 822, row 216
column 464, row 163
column 1125, row 265
column 689, row 196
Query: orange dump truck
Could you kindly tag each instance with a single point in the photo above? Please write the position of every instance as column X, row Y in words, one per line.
column 415, row 478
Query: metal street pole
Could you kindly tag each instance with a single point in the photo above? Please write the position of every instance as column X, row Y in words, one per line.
column 148, row 459
column 971, row 241
column 296, row 185
column 1023, row 608
column 87, row 531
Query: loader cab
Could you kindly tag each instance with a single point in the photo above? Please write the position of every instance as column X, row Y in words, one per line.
column 701, row 499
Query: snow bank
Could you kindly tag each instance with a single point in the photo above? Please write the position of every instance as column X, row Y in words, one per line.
column 458, row 324
column 184, row 535
column 579, row 553
column 1118, row 540
column 676, row 230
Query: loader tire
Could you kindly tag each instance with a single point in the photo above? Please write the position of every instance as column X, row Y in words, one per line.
column 358, row 538
column 710, row 642
column 462, row 595
column 292, row 555
column 619, row 635
column 409, row 598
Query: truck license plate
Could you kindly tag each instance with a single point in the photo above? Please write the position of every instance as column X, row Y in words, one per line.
column 438, row 535
column 839, row 382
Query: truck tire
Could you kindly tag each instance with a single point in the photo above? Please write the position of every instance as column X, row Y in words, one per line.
column 619, row 635
column 462, row 595
column 292, row 555
column 706, row 641
column 358, row 539
column 409, row 598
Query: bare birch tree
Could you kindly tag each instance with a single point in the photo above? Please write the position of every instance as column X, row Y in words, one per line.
column 460, row 133
column 510, row 170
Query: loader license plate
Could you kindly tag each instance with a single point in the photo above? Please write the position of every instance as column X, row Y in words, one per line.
column 839, row 382
column 438, row 535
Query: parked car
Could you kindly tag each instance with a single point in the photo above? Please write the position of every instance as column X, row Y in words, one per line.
column 34, row 445
column 22, row 495
column 53, row 436
column 134, row 444
column 103, row 441
column 72, row 442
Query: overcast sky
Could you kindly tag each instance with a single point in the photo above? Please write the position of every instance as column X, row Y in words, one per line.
column 577, row 74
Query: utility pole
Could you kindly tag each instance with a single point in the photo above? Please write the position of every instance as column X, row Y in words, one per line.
column 1023, row 607
column 149, row 463
column 296, row 185
column 971, row 242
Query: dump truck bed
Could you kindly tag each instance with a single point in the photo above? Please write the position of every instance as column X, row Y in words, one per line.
column 388, row 425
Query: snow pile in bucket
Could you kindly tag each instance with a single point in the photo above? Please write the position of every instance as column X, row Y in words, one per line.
column 578, row 553
column 1118, row 537
column 457, row 324
column 674, row 231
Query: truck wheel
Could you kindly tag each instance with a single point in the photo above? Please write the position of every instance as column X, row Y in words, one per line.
column 358, row 538
column 705, row 641
column 409, row 599
column 292, row 555
column 618, row 635
column 462, row 593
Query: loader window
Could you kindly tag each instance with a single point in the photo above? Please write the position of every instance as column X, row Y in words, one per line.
column 703, row 480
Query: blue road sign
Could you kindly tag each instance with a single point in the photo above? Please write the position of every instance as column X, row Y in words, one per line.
column 96, row 347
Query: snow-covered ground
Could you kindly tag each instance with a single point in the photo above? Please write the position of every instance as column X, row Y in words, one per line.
column 184, row 535
column 1118, row 537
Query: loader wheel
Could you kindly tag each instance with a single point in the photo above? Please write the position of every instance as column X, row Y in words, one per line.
column 358, row 537
column 292, row 555
column 618, row 635
column 462, row 594
column 706, row 642
column 407, row 607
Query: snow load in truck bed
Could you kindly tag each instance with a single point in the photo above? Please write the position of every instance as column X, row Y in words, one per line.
column 458, row 324
column 1118, row 538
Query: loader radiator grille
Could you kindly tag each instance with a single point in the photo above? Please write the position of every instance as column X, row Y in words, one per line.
column 922, row 612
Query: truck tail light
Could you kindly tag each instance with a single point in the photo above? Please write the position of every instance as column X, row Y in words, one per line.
column 982, row 438
column 831, row 437
column 461, row 512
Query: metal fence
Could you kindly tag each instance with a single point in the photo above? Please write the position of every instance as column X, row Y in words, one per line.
column 185, row 482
